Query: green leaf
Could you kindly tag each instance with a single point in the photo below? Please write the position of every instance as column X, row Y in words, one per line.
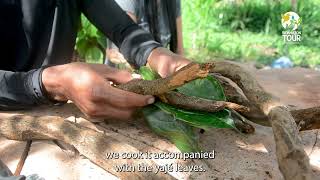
column 93, row 54
column 147, row 73
column 199, row 119
column 102, row 40
column 207, row 88
column 178, row 132
column 82, row 47
column 176, row 123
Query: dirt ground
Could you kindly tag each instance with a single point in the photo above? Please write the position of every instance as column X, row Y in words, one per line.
column 237, row 156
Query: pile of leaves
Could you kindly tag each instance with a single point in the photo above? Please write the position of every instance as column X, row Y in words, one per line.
column 179, row 125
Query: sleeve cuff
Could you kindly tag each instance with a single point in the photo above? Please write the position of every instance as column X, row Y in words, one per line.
column 36, row 89
column 137, row 47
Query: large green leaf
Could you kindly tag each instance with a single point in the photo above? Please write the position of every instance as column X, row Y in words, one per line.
column 178, row 132
column 176, row 123
column 199, row 119
column 207, row 88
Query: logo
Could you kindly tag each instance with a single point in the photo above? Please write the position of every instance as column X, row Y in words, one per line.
column 291, row 22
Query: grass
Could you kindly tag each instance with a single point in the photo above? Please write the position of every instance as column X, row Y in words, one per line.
column 242, row 30
column 249, row 31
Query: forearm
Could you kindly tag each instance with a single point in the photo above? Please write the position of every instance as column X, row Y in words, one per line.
column 20, row 90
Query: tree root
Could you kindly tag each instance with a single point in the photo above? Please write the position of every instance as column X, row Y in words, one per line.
column 94, row 145
column 292, row 159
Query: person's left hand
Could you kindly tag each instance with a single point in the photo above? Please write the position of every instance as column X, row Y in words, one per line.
column 166, row 62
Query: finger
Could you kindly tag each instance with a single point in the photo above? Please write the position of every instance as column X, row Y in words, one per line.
column 119, row 76
column 113, row 74
column 120, row 98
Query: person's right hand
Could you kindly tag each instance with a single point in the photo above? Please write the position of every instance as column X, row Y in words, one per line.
column 88, row 86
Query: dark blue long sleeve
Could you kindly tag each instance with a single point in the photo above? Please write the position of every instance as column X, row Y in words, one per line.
column 134, row 43
column 38, row 33
column 19, row 90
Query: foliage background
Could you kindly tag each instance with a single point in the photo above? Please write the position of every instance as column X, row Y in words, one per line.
column 249, row 30
column 242, row 30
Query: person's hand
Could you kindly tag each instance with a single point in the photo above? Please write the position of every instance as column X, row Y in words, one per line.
column 115, row 56
column 88, row 86
column 166, row 62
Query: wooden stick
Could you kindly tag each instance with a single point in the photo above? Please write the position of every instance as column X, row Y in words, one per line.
column 195, row 103
column 241, row 123
column 23, row 158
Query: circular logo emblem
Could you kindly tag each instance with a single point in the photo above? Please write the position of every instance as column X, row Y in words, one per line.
column 290, row 21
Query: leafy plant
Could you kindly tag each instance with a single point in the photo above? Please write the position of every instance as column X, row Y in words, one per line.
column 90, row 43
column 178, row 124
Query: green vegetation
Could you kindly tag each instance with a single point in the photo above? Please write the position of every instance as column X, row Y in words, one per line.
column 249, row 30
column 91, row 43
column 242, row 30
column 178, row 124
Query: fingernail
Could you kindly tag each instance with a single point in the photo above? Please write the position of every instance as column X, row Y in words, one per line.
column 136, row 76
column 151, row 100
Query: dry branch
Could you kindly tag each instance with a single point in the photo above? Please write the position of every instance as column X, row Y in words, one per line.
column 234, row 94
column 242, row 123
column 231, row 90
column 195, row 103
column 292, row 159
column 23, row 158
column 159, row 86
column 307, row 119
column 92, row 144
